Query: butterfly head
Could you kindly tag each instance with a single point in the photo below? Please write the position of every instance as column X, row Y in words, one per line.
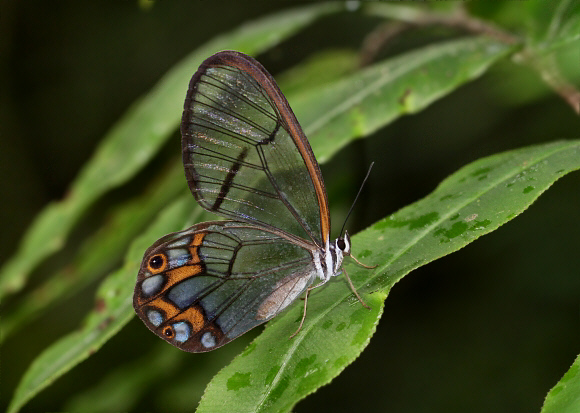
column 343, row 244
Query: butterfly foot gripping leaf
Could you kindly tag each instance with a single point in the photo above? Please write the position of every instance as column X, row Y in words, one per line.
column 247, row 159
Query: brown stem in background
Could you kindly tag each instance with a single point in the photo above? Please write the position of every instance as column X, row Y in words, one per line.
column 550, row 73
column 380, row 37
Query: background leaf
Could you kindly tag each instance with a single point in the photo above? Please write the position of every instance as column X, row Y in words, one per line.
column 99, row 254
column 360, row 104
column 564, row 397
column 113, row 309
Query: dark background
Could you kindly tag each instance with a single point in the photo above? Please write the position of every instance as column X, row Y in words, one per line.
column 490, row 328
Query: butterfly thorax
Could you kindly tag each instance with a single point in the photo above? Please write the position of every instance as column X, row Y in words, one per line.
column 328, row 260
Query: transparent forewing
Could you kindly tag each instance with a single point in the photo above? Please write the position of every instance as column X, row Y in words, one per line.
column 245, row 154
column 201, row 288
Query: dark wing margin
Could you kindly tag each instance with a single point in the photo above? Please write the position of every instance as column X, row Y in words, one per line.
column 245, row 154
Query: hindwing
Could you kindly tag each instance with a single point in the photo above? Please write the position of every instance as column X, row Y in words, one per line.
column 200, row 288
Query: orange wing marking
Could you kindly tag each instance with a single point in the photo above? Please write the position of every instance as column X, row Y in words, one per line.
column 194, row 247
column 194, row 316
column 169, row 309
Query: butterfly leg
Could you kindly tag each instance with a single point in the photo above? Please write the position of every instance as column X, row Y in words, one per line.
column 361, row 264
column 305, row 304
column 353, row 290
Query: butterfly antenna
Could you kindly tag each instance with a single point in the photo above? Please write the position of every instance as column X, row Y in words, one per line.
column 356, row 198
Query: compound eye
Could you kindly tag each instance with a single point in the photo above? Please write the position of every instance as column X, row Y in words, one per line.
column 341, row 244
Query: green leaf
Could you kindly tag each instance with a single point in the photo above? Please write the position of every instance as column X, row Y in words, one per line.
column 409, row 14
column 565, row 396
column 553, row 36
column 113, row 309
column 274, row 373
column 570, row 31
column 323, row 68
column 556, row 26
column 477, row 199
column 124, row 386
column 548, row 18
column 370, row 99
column 533, row 21
column 136, row 138
column 100, row 253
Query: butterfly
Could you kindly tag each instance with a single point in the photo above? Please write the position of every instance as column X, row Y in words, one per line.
column 246, row 159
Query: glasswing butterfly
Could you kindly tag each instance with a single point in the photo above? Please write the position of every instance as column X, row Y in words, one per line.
column 246, row 159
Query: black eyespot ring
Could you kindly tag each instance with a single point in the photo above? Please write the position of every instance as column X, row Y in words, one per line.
column 157, row 263
column 341, row 244
column 168, row 332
